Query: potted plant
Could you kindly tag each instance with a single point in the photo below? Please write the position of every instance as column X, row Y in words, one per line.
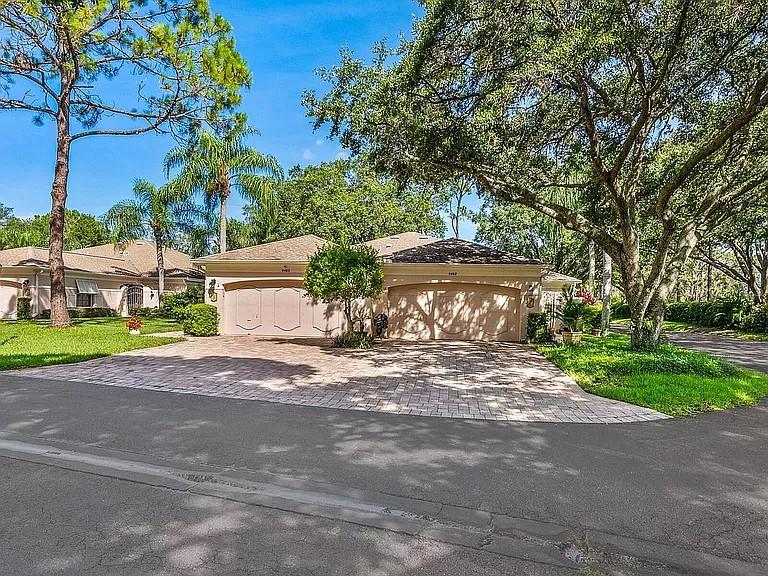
column 134, row 325
column 571, row 314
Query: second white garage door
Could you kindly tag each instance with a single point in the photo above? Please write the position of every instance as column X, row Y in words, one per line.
column 278, row 311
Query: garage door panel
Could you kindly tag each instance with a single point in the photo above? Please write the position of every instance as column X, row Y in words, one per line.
column 325, row 318
column 248, row 309
column 288, row 308
column 458, row 312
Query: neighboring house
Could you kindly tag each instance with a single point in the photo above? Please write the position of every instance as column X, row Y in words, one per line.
column 434, row 289
column 98, row 277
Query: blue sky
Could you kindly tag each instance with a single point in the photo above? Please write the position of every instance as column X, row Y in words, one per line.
column 283, row 42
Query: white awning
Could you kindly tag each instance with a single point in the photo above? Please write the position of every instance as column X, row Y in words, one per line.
column 87, row 287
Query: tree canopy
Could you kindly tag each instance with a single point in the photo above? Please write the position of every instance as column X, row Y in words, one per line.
column 523, row 231
column 81, row 231
column 344, row 201
column 654, row 113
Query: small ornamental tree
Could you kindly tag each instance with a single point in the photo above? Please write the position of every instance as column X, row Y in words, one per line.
column 339, row 273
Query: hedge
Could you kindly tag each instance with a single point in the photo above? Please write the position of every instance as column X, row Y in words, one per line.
column 720, row 313
column 24, row 309
column 201, row 320
column 83, row 313
column 756, row 320
column 620, row 311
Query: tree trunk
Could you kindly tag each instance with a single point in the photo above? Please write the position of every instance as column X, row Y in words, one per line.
column 591, row 284
column 605, row 320
column 348, row 314
column 59, row 314
column 159, row 245
column 223, row 224
column 709, row 276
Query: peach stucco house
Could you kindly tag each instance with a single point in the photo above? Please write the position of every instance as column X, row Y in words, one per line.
column 434, row 289
column 99, row 277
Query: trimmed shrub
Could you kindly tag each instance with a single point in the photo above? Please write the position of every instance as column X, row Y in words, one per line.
column 353, row 340
column 83, row 313
column 536, row 327
column 24, row 309
column 756, row 320
column 146, row 312
column 174, row 303
column 201, row 320
column 91, row 312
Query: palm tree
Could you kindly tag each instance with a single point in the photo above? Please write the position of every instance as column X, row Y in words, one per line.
column 215, row 166
column 156, row 213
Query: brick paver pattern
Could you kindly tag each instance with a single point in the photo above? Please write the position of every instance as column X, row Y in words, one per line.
column 476, row 380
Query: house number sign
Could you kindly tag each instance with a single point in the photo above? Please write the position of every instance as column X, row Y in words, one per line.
column 286, row 269
column 453, row 273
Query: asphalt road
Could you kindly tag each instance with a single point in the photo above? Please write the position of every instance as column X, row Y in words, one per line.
column 94, row 526
column 691, row 494
column 751, row 354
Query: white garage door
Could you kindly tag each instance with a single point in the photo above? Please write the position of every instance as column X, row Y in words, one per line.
column 454, row 312
column 278, row 311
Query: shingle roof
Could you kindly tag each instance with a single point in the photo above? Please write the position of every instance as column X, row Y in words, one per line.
column 297, row 249
column 557, row 277
column 137, row 259
column 455, row 251
column 388, row 245
column 142, row 255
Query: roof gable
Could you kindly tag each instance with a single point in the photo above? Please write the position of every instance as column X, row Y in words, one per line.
column 456, row 251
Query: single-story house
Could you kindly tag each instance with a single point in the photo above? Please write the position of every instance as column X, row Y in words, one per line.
column 434, row 289
column 98, row 277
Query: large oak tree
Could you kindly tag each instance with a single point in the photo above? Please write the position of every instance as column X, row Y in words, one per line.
column 660, row 107
column 175, row 62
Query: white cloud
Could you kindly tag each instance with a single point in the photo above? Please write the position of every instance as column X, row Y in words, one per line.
column 308, row 155
column 319, row 142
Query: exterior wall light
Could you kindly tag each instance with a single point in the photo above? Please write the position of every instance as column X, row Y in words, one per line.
column 530, row 297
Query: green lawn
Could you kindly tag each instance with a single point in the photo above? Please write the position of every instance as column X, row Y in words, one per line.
column 26, row 344
column 683, row 327
column 671, row 380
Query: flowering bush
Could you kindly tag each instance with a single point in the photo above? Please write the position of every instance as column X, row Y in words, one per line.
column 134, row 322
column 585, row 296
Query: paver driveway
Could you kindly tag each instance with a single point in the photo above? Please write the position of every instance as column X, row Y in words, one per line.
column 492, row 381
